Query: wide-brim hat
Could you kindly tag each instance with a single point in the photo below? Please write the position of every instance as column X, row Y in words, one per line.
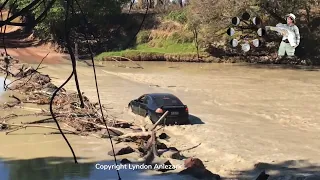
column 292, row 16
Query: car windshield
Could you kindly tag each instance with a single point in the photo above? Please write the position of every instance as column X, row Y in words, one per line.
column 167, row 101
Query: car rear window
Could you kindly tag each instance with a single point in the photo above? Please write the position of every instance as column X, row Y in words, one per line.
column 167, row 101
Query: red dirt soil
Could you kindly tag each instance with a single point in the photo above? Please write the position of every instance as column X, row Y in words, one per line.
column 34, row 55
column 25, row 48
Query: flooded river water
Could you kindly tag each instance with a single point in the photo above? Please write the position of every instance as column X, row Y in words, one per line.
column 247, row 118
column 34, row 154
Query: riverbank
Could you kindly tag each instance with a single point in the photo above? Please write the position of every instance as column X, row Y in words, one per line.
column 171, row 51
column 134, row 55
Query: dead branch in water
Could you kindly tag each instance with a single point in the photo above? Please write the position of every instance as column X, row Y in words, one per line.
column 121, row 65
column 120, row 57
column 21, row 126
column 11, row 116
column 160, row 119
column 47, row 120
column 15, row 97
column 187, row 149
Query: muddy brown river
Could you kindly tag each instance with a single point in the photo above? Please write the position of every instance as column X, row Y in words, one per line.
column 247, row 117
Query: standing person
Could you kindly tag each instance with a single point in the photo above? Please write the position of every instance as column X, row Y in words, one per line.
column 285, row 46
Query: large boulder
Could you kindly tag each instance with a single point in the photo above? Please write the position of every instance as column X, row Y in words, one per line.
column 121, row 151
column 196, row 168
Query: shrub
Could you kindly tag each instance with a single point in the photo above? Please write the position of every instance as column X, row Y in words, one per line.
column 178, row 15
column 143, row 37
column 184, row 37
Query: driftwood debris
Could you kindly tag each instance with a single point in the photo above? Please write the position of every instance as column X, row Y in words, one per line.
column 122, row 65
column 34, row 87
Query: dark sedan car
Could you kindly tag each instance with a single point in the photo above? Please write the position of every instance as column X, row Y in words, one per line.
column 154, row 105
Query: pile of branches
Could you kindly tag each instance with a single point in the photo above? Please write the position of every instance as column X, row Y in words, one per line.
column 37, row 88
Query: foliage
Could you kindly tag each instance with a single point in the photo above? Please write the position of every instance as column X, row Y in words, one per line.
column 178, row 15
column 210, row 16
column 182, row 37
column 53, row 24
column 205, row 19
column 143, row 37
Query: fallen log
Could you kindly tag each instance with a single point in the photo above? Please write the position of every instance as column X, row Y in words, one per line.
column 102, row 126
column 138, row 135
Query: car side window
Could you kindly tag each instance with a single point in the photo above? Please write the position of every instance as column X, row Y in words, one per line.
column 142, row 99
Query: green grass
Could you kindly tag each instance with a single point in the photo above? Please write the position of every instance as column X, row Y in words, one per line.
column 160, row 47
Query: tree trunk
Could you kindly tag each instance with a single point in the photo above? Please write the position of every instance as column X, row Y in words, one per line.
column 155, row 3
column 180, row 3
column 195, row 34
column 165, row 4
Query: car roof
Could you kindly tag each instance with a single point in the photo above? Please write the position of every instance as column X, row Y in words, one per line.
column 161, row 95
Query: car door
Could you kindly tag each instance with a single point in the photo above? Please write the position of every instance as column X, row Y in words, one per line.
column 135, row 106
column 140, row 101
column 144, row 106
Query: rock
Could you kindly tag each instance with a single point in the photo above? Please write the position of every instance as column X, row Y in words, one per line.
column 161, row 151
column 121, row 151
column 196, row 168
column 172, row 154
column 200, row 173
column 164, row 167
column 173, row 148
column 163, row 136
column 125, row 161
column 113, row 132
column 3, row 126
column 194, row 163
column 123, row 125
column 161, row 146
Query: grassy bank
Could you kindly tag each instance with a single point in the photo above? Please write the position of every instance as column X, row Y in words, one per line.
column 170, row 40
column 161, row 50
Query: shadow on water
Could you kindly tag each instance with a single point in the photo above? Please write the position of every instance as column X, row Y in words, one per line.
column 61, row 168
column 282, row 66
column 195, row 120
column 292, row 169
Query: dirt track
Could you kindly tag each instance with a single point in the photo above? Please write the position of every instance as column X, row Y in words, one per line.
column 34, row 55
column 23, row 47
